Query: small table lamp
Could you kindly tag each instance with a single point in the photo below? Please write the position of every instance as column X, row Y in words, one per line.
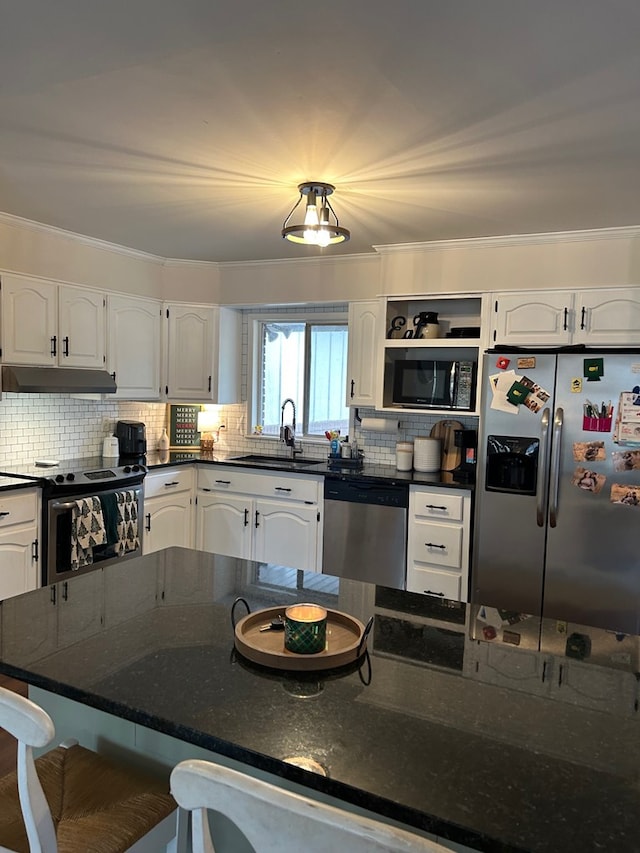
column 208, row 424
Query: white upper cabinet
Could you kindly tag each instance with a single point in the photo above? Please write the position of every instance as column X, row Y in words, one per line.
column 134, row 346
column 50, row 324
column 363, row 346
column 553, row 318
column 202, row 347
column 608, row 317
column 81, row 324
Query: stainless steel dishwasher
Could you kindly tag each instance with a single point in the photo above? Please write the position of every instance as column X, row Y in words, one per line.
column 365, row 531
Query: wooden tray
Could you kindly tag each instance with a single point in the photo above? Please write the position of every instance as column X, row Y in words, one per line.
column 344, row 642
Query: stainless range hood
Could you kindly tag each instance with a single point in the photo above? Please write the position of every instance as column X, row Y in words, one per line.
column 56, row 380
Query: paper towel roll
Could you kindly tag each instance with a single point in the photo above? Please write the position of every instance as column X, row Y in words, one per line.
column 380, row 424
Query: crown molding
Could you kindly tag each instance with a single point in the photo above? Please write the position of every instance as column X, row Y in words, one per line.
column 325, row 259
column 625, row 232
column 94, row 242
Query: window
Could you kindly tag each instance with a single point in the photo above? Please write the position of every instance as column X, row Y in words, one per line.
column 306, row 361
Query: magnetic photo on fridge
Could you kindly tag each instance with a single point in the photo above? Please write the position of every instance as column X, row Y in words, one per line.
column 625, row 494
column 588, row 481
column 626, row 460
column 588, row 451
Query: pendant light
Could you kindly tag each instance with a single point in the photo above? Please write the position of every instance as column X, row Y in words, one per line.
column 317, row 229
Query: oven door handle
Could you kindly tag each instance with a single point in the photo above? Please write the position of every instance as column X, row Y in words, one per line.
column 62, row 505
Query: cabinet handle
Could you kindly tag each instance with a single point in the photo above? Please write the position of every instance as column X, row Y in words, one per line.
column 544, row 671
column 34, row 550
column 224, row 482
column 53, row 595
column 4, row 514
column 433, row 506
column 353, row 385
column 54, row 348
column 209, row 384
column 65, row 591
column 246, row 517
column 433, row 545
column 148, row 526
column 280, row 489
column 113, row 376
column 257, row 523
column 565, row 323
column 206, row 490
column 431, row 592
column 65, row 346
column 583, row 318
column 172, row 483
column 560, row 668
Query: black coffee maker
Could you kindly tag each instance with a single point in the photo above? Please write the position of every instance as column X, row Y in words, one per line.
column 132, row 439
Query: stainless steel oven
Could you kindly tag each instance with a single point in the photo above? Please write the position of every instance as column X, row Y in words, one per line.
column 113, row 485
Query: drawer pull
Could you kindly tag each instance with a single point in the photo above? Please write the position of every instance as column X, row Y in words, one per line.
column 224, row 482
column 433, row 506
column 148, row 526
column 4, row 514
column 431, row 592
column 433, row 545
column 246, row 517
column 204, row 489
column 172, row 483
column 280, row 489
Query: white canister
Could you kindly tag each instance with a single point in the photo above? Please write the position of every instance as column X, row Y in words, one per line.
column 404, row 455
column 110, row 448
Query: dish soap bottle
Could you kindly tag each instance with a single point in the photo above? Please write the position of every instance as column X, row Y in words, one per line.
column 163, row 441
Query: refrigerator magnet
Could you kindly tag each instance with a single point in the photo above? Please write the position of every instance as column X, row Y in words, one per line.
column 626, row 460
column 576, row 385
column 593, row 369
column 588, row 481
column 537, row 396
column 502, row 363
column 518, row 393
column 526, row 362
column 625, row 494
column 589, row 451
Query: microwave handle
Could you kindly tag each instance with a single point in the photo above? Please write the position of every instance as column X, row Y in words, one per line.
column 453, row 382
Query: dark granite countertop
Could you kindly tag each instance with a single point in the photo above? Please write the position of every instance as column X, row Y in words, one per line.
column 369, row 472
column 416, row 738
column 9, row 483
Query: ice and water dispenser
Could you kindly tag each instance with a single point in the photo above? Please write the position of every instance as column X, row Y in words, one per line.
column 512, row 464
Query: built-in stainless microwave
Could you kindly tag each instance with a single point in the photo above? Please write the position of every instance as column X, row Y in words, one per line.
column 431, row 384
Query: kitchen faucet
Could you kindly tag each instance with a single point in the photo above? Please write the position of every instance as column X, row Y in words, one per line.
column 288, row 433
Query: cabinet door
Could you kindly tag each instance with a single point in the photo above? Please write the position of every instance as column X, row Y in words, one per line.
column 608, row 317
column 362, row 353
column 29, row 321
column 81, row 327
column 532, row 318
column 224, row 524
column 134, row 346
column 18, row 568
column 80, row 608
column 189, row 352
column 167, row 522
column 286, row 534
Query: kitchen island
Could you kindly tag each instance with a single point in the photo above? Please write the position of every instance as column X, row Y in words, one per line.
column 404, row 733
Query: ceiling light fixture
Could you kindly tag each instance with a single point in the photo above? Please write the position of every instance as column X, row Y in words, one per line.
column 317, row 229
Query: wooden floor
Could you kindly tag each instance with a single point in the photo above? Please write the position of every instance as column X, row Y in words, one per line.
column 7, row 743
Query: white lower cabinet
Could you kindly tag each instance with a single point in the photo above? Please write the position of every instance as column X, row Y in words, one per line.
column 19, row 565
column 271, row 518
column 438, row 542
column 168, row 509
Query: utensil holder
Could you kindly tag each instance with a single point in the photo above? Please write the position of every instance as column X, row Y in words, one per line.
column 597, row 424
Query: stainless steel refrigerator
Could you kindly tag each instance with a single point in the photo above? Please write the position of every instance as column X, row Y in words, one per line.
column 557, row 526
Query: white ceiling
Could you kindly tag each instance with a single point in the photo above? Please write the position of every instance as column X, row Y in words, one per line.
column 182, row 127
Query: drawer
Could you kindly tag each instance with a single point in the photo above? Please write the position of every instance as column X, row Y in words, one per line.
column 433, row 582
column 442, row 504
column 18, row 508
column 167, row 481
column 436, row 544
column 259, row 484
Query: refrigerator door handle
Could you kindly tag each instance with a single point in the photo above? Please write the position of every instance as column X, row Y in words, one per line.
column 543, row 469
column 558, row 423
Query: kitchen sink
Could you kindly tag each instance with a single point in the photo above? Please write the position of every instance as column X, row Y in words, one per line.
column 279, row 461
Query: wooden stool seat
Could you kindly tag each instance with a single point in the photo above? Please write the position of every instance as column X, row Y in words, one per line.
column 88, row 797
